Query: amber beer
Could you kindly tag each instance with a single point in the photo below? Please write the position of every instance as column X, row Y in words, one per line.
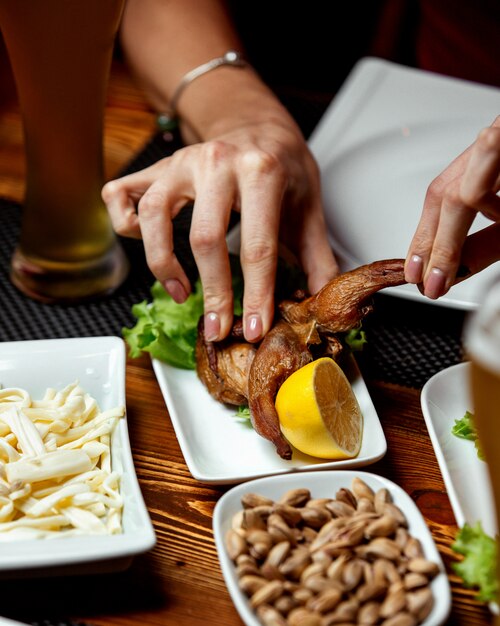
column 60, row 52
column 482, row 344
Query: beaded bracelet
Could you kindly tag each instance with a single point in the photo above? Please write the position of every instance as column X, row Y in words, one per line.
column 168, row 121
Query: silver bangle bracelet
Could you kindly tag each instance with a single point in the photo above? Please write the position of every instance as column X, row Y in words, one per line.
column 230, row 58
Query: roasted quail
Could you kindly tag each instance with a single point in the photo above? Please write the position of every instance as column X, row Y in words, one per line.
column 236, row 372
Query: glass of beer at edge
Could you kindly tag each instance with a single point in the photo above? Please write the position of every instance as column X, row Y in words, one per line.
column 60, row 52
column 482, row 346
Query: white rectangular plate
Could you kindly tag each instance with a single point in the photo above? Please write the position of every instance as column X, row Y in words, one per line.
column 98, row 363
column 324, row 485
column 445, row 398
column 220, row 448
column 387, row 134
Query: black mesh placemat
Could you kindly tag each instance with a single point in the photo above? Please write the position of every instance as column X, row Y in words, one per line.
column 407, row 341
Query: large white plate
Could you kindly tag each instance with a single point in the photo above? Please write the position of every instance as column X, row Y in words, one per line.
column 98, row 363
column 445, row 398
column 220, row 448
column 388, row 132
column 324, row 485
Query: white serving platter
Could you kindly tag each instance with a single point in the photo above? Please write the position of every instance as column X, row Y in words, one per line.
column 445, row 398
column 218, row 447
column 98, row 363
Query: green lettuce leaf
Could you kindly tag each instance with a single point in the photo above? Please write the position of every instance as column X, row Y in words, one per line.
column 355, row 339
column 243, row 412
column 465, row 429
column 167, row 330
column 478, row 567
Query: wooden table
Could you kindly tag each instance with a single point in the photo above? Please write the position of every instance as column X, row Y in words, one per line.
column 179, row 582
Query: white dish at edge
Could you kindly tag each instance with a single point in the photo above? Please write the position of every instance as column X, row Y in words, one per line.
column 324, row 484
column 5, row 621
column 98, row 363
column 220, row 448
column 445, row 398
column 386, row 135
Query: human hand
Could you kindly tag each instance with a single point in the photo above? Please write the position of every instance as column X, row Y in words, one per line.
column 262, row 169
column 441, row 253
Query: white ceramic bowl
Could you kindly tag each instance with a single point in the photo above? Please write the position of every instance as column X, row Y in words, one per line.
column 324, row 484
column 98, row 363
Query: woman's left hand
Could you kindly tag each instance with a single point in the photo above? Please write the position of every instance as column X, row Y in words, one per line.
column 441, row 252
column 264, row 170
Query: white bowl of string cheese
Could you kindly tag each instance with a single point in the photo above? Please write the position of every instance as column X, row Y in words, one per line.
column 70, row 501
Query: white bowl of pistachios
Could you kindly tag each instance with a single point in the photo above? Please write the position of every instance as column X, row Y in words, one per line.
column 326, row 548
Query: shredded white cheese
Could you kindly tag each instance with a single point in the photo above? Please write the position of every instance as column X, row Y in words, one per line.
column 55, row 465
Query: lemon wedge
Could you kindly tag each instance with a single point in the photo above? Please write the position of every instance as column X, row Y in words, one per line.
column 319, row 413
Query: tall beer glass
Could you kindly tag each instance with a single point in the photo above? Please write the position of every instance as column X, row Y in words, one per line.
column 482, row 344
column 60, row 52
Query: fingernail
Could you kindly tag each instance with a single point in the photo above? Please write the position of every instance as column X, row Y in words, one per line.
column 435, row 283
column 176, row 290
column 212, row 326
column 414, row 269
column 253, row 328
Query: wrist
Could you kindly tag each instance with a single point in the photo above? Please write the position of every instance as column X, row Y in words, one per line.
column 170, row 118
column 231, row 58
column 223, row 101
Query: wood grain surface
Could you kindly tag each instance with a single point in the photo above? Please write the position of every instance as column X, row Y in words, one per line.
column 179, row 582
